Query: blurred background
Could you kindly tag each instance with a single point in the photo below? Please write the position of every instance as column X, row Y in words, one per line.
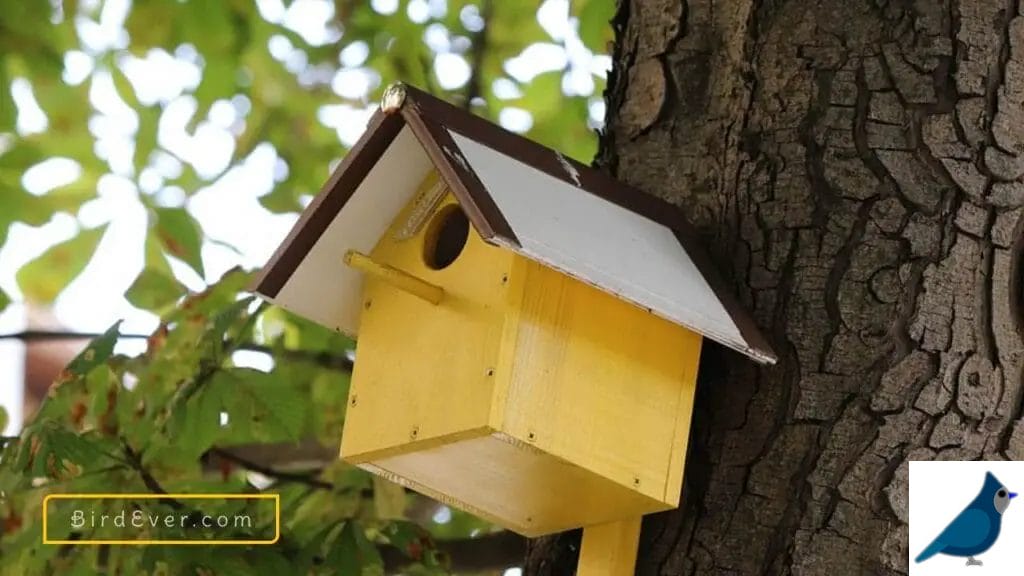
column 149, row 147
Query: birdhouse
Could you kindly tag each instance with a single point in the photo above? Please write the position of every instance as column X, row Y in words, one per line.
column 529, row 329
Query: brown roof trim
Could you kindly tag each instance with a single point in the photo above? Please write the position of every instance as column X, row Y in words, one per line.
column 467, row 188
column 381, row 130
column 758, row 346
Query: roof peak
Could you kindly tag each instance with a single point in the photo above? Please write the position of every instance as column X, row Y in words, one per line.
column 525, row 197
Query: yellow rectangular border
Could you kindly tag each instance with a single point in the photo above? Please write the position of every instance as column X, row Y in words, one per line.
column 277, row 518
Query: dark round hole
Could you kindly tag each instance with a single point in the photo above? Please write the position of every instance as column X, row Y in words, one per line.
column 446, row 237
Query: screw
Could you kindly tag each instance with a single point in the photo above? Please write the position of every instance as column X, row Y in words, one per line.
column 531, row 436
column 490, row 371
column 367, row 304
column 504, row 278
column 636, row 481
column 415, row 432
column 354, row 397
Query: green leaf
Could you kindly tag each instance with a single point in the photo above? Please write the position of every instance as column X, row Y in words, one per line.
column 352, row 553
column 66, row 445
column 8, row 111
column 261, row 406
column 3, row 419
column 410, row 538
column 201, row 421
column 98, row 351
column 43, row 279
column 5, row 300
column 180, row 235
column 154, row 290
column 151, row 24
column 146, row 137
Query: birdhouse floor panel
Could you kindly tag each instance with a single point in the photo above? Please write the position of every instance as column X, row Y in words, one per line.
column 515, row 485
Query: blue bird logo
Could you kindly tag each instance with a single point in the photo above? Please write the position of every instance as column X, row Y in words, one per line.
column 976, row 529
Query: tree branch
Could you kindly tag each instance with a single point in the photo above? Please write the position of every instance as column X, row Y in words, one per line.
column 323, row 359
column 477, row 54
column 135, row 461
column 306, row 479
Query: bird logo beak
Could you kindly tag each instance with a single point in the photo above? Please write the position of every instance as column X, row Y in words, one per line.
column 1013, row 495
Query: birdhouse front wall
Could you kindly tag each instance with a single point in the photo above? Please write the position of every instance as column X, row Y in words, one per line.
column 425, row 373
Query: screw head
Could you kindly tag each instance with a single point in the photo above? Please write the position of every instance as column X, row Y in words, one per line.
column 353, row 400
column 415, row 432
column 367, row 304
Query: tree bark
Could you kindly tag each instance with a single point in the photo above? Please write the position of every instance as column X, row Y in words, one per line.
column 855, row 167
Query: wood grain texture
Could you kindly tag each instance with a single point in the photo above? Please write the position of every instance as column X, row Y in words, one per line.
column 601, row 383
column 514, row 485
column 609, row 549
column 426, row 371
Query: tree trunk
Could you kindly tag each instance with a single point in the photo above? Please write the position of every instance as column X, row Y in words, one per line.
column 855, row 168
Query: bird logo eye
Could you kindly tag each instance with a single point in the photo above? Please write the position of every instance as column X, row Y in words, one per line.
column 1002, row 493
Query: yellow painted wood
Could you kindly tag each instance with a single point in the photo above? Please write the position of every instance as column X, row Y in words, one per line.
column 424, row 374
column 524, row 396
column 601, row 383
column 610, row 549
column 514, row 292
column 681, row 433
column 398, row 278
column 514, row 485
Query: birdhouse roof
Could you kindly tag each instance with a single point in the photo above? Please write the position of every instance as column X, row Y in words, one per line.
column 517, row 194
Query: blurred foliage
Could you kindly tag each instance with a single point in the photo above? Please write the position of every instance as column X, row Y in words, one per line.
column 149, row 423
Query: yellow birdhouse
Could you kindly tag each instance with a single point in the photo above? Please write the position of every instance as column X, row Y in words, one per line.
column 529, row 329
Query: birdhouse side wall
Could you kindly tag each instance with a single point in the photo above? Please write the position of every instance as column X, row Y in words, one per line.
column 597, row 382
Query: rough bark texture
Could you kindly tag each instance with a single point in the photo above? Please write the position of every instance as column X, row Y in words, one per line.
column 856, row 167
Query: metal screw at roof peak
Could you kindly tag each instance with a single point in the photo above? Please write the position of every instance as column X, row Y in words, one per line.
column 394, row 97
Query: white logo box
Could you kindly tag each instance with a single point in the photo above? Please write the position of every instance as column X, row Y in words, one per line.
column 939, row 491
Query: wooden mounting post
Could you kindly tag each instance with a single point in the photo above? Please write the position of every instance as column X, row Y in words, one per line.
column 398, row 278
column 610, row 549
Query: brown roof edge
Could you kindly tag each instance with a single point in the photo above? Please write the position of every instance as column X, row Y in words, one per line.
column 381, row 130
column 466, row 186
column 758, row 346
